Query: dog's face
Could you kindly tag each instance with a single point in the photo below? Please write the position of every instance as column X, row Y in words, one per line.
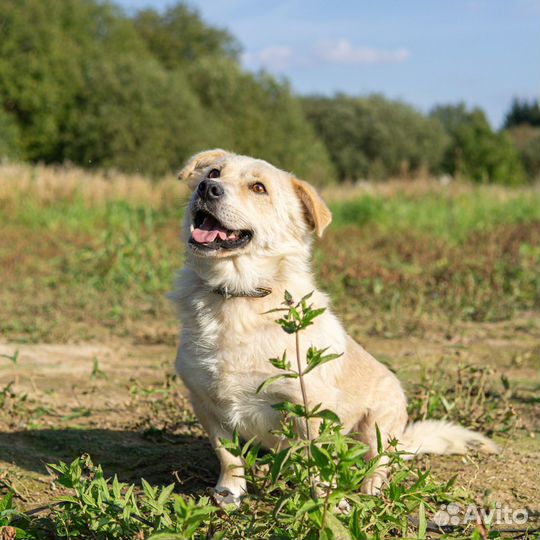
column 245, row 205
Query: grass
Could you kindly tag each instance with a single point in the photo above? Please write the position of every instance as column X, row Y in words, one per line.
column 84, row 249
column 443, row 214
column 89, row 257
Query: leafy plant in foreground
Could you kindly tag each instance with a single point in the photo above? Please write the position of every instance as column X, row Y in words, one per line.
column 109, row 509
column 312, row 489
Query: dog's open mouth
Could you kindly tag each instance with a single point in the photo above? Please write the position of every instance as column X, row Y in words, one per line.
column 209, row 234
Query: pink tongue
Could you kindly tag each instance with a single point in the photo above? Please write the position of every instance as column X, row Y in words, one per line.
column 209, row 231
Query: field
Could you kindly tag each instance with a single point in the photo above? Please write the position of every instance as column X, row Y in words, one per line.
column 438, row 280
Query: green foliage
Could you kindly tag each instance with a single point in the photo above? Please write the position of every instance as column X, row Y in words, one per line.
column 143, row 92
column 526, row 140
column 134, row 116
column 53, row 40
column 9, row 136
column 374, row 137
column 476, row 152
column 257, row 115
column 139, row 94
column 111, row 509
column 179, row 38
column 523, row 112
column 9, row 514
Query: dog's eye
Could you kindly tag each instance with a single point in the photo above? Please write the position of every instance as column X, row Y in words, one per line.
column 214, row 173
column 257, row 187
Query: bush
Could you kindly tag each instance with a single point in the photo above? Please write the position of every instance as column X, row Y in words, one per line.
column 9, row 137
column 260, row 116
column 522, row 112
column 476, row 152
column 135, row 116
column 375, row 138
column 526, row 140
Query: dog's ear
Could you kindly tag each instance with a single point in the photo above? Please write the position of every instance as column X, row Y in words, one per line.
column 317, row 213
column 200, row 161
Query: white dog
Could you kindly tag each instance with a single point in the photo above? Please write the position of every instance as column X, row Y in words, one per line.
column 248, row 232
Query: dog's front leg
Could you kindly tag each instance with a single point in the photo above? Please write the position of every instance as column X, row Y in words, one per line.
column 231, row 485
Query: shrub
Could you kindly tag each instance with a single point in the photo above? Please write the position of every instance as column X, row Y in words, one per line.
column 476, row 152
column 526, row 140
column 374, row 137
column 9, row 137
column 135, row 116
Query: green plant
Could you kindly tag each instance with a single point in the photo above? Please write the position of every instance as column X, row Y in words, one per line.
column 112, row 509
column 8, row 515
column 97, row 372
column 312, row 488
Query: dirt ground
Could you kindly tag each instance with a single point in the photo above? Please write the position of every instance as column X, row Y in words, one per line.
column 118, row 402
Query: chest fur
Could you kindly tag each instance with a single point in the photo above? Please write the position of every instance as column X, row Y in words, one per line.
column 224, row 357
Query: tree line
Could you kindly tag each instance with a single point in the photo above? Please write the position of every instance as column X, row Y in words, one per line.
column 81, row 81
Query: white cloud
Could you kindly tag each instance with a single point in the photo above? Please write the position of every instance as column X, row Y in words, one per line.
column 343, row 52
column 283, row 58
column 276, row 57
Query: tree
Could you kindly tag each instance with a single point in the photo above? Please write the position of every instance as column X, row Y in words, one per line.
column 477, row 152
column 135, row 116
column 43, row 48
column 526, row 140
column 9, row 137
column 259, row 116
column 373, row 137
column 523, row 112
column 179, row 37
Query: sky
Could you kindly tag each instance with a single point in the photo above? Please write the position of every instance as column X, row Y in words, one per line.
column 424, row 52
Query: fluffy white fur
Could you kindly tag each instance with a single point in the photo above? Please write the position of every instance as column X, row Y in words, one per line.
column 225, row 344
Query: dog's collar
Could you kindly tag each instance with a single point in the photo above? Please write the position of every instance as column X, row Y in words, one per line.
column 259, row 292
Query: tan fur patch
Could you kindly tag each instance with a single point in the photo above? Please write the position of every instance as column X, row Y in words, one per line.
column 319, row 215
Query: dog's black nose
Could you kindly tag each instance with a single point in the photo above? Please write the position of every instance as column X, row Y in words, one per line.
column 209, row 190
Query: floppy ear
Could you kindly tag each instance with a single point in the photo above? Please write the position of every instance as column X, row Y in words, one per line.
column 200, row 161
column 317, row 213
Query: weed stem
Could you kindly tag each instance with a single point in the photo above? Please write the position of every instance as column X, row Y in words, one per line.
column 305, row 400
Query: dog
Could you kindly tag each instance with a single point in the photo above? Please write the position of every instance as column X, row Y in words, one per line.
column 248, row 232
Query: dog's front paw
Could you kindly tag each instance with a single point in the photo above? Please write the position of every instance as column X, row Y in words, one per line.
column 224, row 498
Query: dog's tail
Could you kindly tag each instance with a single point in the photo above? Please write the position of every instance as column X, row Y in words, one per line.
column 440, row 437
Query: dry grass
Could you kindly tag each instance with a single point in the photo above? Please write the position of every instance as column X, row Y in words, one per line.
column 416, row 188
column 47, row 184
